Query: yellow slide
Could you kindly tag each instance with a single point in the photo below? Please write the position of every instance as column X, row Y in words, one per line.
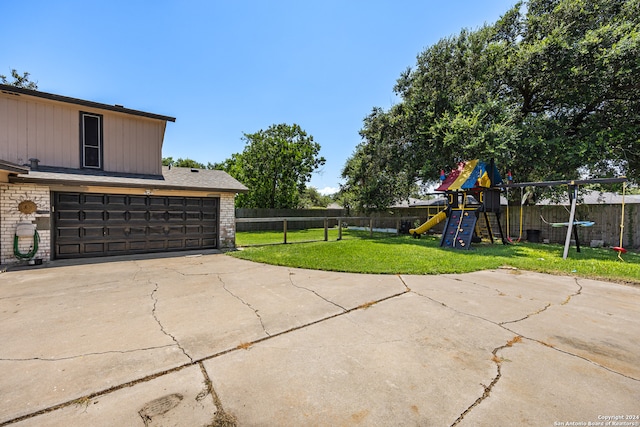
column 427, row 225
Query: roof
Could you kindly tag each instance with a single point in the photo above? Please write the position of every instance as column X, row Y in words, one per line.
column 471, row 174
column 118, row 108
column 12, row 167
column 171, row 179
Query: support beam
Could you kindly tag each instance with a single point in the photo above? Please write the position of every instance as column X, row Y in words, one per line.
column 566, row 182
column 573, row 196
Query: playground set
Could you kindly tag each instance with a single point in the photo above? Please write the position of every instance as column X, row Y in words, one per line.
column 473, row 206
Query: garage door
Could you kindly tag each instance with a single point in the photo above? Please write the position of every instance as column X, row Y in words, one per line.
column 90, row 225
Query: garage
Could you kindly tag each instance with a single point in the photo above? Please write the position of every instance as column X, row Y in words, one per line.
column 94, row 225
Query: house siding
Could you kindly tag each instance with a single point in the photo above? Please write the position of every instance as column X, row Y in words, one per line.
column 49, row 131
column 10, row 196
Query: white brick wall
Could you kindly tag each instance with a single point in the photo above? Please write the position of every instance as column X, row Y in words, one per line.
column 10, row 196
column 227, row 221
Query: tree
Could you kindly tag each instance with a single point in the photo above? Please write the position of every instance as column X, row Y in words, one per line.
column 185, row 163
column 549, row 91
column 21, row 81
column 311, row 198
column 275, row 165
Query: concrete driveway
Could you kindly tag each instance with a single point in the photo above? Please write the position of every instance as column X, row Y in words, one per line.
column 206, row 340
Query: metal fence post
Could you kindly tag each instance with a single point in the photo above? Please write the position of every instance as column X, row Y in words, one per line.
column 371, row 227
column 339, row 228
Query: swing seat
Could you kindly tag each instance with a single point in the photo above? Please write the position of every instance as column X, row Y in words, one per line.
column 580, row 223
column 619, row 249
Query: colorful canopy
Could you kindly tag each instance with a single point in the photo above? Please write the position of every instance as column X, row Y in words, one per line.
column 471, row 174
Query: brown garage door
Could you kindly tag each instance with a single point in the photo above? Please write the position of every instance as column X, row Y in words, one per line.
column 90, row 225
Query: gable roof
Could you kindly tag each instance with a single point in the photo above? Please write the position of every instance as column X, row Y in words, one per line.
column 171, row 179
column 17, row 91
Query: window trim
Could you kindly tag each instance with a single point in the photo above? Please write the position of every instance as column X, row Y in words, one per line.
column 83, row 146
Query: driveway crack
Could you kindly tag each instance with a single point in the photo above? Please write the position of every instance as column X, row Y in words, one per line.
column 314, row 292
column 494, row 381
column 518, row 338
column 75, row 356
column 164, row 331
column 224, row 286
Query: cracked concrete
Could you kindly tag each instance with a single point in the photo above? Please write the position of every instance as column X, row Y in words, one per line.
column 156, row 342
column 155, row 316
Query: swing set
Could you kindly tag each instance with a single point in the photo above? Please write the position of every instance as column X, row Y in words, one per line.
column 572, row 224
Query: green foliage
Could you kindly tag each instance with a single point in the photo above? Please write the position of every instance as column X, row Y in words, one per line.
column 21, row 81
column 311, row 198
column 184, row 163
column 550, row 91
column 275, row 165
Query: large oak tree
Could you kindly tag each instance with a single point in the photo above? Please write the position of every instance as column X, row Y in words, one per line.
column 551, row 90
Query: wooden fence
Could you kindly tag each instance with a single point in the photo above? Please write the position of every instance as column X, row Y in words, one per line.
column 606, row 228
column 606, row 218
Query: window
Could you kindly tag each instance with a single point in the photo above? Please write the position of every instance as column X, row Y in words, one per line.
column 91, row 140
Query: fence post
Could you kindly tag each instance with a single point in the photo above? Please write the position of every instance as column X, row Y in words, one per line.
column 371, row 227
column 284, row 229
column 326, row 230
column 339, row 228
column 398, row 226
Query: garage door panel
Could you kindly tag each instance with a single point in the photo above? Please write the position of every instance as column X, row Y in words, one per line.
column 155, row 245
column 138, row 245
column 90, row 232
column 136, row 231
column 116, row 200
column 68, row 232
column 117, row 246
column 73, row 198
column 206, row 229
column 91, row 199
column 88, row 216
column 192, row 243
column 137, row 200
column 71, row 215
column 69, row 249
column 112, row 224
column 157, row 202
column 155, row 231
column 209, row 242
column 94, row 248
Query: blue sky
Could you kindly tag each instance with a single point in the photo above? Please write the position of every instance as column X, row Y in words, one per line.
column 224, row 68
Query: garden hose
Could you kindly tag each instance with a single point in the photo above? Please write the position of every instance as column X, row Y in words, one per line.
column 32, row 252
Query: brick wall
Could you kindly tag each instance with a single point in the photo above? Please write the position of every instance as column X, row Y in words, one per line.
column 227, row 221
column 10, row 197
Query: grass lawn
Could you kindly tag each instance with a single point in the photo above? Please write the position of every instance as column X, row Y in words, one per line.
column 404, row 255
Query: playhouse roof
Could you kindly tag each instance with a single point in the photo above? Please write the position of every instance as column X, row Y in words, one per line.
column 471, row 174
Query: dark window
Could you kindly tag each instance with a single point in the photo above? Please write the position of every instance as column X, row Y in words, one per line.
column 91, row 140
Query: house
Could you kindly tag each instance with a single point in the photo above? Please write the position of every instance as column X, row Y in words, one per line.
column 89, row 177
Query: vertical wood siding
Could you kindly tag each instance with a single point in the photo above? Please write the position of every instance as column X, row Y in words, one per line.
column 50, row 131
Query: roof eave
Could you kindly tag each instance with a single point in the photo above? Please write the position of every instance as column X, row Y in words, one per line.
column 151, row 184
column 82, row 102
column 13, row 168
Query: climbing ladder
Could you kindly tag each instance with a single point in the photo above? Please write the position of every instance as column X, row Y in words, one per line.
column 488, row 227
column 459, row 229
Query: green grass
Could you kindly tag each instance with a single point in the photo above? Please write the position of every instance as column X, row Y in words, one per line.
column 257, row 238
column 404, row 255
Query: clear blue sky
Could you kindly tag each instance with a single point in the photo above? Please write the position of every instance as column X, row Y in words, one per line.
column 224, row 68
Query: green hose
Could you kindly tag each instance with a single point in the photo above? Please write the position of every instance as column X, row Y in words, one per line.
column 32, row 252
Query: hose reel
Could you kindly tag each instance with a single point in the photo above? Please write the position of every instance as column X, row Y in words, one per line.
column 26, row 229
